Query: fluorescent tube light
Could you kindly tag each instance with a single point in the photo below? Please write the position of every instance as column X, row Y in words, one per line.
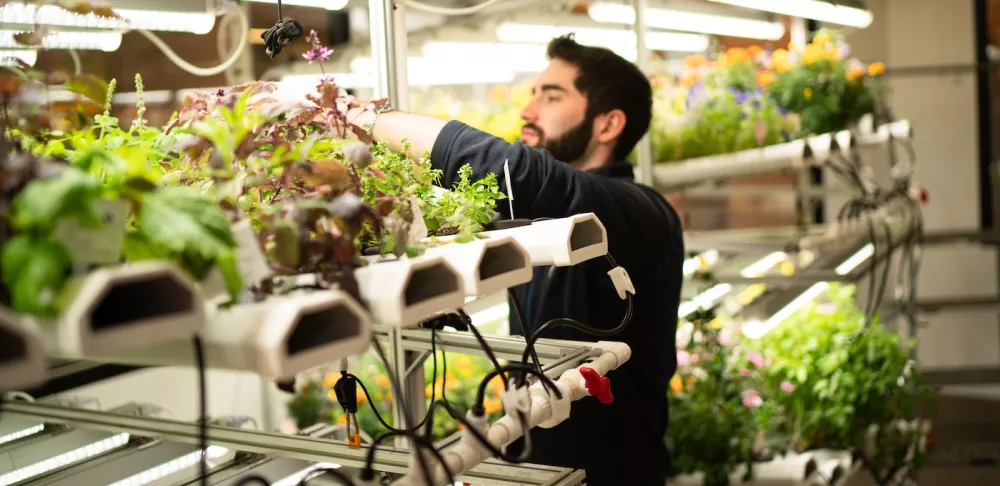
column 420, row 72
column 27, row 14
column 325, row 4
column 818, row 10
column 616, row 40
column 166, row 469
column 84, row 41
column 65, row 459
column 614, row 13
column 756, row 329
column 27, row 56
column 20, row 434
column 517, row 57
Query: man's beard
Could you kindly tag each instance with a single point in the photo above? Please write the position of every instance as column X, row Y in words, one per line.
column 569, row 147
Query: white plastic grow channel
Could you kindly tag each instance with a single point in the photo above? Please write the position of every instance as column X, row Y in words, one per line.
column 276, row 338
column 561, row 242
column 121, row 308
column 407, row 291
column 22, row 354
column 488, row 265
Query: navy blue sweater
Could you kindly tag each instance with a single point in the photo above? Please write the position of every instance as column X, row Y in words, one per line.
column 620, row 443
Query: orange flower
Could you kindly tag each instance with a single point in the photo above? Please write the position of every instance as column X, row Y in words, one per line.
column 332, row 394
column 676, row 384
column 688, row 80
column 382, row 381
column 855, row 73
column 876, row 68
column 695, row 61
column 765, row 78
column 498, row 94
column 754, row 51
column 492, row 405
column 341, row 420
column 330, row 379
column 721, row 62
column 737, row 55
column 360, row 396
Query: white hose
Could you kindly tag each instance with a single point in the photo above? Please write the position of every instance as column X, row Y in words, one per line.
column 200, row 71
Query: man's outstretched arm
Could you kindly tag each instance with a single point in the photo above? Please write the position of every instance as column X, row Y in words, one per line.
column 393, row 127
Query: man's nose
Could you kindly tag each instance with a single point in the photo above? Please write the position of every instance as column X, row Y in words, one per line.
column 529, row 113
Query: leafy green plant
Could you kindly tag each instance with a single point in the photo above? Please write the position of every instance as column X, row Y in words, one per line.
column 467, row 206
column 854, row 384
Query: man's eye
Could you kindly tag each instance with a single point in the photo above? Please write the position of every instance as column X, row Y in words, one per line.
column 551, row 99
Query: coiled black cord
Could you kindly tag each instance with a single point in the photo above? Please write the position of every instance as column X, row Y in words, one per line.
column 283, row 33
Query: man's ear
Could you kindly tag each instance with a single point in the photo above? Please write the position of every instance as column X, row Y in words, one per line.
column 609, row 126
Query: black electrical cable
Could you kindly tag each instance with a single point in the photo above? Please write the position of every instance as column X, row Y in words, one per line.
column 547, row 382
column 283, row 33
column 341, row 477
column 484, row 441
column 199, row 358
column 519, row 315
column 253, row 479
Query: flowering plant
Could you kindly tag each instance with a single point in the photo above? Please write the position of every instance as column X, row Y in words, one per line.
column 818, row 82
column 718, row 411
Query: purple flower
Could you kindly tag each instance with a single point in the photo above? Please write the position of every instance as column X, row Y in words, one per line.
column 318, row 53
column 312, row 38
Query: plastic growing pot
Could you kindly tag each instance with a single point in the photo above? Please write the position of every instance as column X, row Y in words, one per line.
column 277, row 338
column 487, row 265
column 22, row 355
column 561, row 242
column 407, row 291
column 125, row 307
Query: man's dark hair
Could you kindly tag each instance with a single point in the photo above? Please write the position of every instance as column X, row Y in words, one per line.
column 609, row 82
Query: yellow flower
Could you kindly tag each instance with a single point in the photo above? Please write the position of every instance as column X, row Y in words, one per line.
column 330, row 379
column 811, row 55
column 807, row 93
column 821, row 39
column 688, row 80
column 676, row 384
column 492, row 405
column 876, row 68
column 463, row 365
column 855, row 73
column 498, row 94
column 388, row 396
column 341, row 420
column 332, row 394
column 715, row 323
column 831, row 54
column 786, row 268
column 382, row 381
column 765, row 78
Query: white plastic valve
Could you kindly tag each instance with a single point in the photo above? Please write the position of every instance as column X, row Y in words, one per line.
column 559, row 408
column 516, row 399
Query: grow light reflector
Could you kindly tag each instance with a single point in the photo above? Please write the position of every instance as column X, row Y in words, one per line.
column 168, row 468
column 756, row 329
column 83, row 41
column 167, row 21
column 621, row 41
column 20, row 434
column 65, row 459
column 657, row 18
column 819, row 10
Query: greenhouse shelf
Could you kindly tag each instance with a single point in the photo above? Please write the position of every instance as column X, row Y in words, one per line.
column 487, row 265
column 407, row 291
column 273, row 447
column 122, row 308
column 22, row 355
column 561, row 242
column 797, row 153
column 277, row 338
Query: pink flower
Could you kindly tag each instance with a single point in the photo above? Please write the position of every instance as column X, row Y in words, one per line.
column 725, row 337
column 756, row 359
column 697, row 337
column 318, row 53
column 786, row 386
column 683, row 358
column 744, row 372
column 312, row 38
column 752, row 399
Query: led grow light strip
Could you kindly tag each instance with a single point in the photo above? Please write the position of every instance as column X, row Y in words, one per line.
column 84, row 41
column 27, row 14
column 756, row 329
column 71, row 457
column 296, row 478
column 713, row 294
column 21, row 434
column 171, row 467
column 820, row 10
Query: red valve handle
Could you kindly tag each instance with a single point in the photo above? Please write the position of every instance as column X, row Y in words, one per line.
column 597, row 385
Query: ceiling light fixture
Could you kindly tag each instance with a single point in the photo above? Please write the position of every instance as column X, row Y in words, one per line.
column 167, row 21
column 821, row 11
column 83, row 41
column 618, row 40
column 615, row 13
